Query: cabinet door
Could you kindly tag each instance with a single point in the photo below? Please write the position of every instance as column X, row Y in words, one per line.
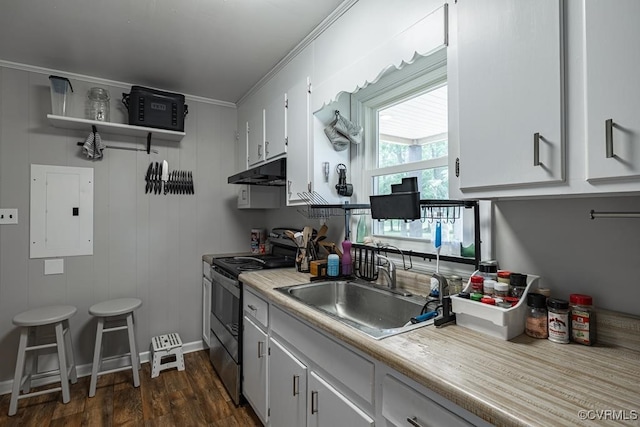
column 328, row 407
column 298, row 176
column 274, row 128
column 255, row 137
column 612, row 64
column 254, row 365
column 510, row 92
column 287, row 387
column 206, row 310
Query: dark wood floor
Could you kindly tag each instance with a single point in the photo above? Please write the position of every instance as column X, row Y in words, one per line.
column 193, row 397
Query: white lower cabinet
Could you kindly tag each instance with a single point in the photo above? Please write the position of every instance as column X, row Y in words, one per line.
column 312, row 379
column 328, row 407
column 287, row 387
column 404, row 406
column 254, row 365
column 206, row 310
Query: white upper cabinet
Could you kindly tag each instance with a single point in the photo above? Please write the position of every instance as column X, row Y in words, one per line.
column 298, row 120
column 274, row 128
column 510, row 92
column 612, row 88
column 255, row 137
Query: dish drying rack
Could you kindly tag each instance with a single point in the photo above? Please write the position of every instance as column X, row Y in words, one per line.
column 430, row 209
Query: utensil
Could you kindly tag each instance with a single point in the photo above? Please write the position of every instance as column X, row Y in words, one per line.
column 165, row 175
column 159, row 181
column 322, row 233
column 290, row 234
column 306, row 235
column 147, row 178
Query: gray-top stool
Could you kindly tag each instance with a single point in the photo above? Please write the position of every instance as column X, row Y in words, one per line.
column 58, row 316
column 110, row 312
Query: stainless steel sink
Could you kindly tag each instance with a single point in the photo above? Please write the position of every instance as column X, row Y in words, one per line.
column 377, row 312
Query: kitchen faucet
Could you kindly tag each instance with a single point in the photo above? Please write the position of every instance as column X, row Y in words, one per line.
column 390, row 273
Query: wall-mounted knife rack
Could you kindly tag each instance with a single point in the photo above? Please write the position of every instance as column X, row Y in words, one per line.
column 177, row 182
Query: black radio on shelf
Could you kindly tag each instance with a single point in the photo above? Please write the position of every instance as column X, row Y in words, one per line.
column 156, row 109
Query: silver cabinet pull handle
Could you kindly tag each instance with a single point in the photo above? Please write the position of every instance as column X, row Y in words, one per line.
column 314, row 402
column 260, row 349
column 414, row 421
column 259, row 150
column 608, row 135
column 266, row 148
column 296, row 385
column 536, row 149
column 252, row 307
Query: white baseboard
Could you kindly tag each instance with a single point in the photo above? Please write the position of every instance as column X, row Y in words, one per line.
column 107, row 363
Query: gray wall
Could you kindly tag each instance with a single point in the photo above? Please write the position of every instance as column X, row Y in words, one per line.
column 557, row 240
column 145, row 246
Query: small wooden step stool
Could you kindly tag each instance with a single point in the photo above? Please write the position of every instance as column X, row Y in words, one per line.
column 163, row 346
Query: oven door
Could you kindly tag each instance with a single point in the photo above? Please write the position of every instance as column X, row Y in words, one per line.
column 225, row 312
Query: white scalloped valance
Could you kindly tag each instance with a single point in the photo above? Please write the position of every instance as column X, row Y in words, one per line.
column 420, row 39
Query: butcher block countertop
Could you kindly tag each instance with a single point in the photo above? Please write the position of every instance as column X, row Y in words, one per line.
column 524, row 381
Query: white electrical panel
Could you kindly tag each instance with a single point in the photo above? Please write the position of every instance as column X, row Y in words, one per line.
column 61, row 211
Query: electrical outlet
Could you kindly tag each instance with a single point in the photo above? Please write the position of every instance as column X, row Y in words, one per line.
column 8, row 216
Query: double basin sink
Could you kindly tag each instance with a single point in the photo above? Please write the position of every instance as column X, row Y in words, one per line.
column 377, row 312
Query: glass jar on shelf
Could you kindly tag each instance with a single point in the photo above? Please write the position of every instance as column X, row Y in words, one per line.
column 98, row 104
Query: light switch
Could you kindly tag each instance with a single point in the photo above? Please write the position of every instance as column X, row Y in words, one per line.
column 8, row 216
column 53, row 266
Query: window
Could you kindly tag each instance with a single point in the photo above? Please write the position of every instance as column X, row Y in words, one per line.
column 405, row 116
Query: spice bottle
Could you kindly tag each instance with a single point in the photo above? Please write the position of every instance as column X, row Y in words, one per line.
column 489, row 287
column 583, row 319
column 477, row 284
column 537, row 320
column 504, row 276
column 501, row 289
column 489, row 270
column 517, row 284
column 558, row 316
column 455, row 284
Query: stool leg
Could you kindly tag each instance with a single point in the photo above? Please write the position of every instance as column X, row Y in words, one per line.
column 31, row 360
column 133, row 349
column 133, row 320
column 17, row 378
column 69, row 346
column 62, row 360
column 96, row 358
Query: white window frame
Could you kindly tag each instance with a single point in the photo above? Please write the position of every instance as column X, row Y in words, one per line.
column 424, row 74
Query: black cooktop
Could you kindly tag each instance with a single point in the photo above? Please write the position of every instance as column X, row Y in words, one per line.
column 239, row 264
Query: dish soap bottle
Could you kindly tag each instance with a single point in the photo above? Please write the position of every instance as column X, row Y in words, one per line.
column 347, row 268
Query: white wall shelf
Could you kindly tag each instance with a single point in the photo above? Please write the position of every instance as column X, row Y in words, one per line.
column 114, row 128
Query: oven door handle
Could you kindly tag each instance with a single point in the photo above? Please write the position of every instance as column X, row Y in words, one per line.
column 231, row 285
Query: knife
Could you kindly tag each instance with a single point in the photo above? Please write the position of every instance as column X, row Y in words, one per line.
column 148, row 178
column 159, row 181
column 165, row 174
column 191, row 190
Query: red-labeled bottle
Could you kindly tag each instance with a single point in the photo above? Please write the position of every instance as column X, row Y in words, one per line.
column 583, row 319
column 477, row 284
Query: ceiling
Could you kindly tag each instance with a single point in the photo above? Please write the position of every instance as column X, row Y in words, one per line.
column 418, row 118
column 216, row 49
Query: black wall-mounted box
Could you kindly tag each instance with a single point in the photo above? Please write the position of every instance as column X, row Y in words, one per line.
column 156, row 109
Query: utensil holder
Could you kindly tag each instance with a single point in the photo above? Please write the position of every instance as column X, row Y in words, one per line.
column 303, row 260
